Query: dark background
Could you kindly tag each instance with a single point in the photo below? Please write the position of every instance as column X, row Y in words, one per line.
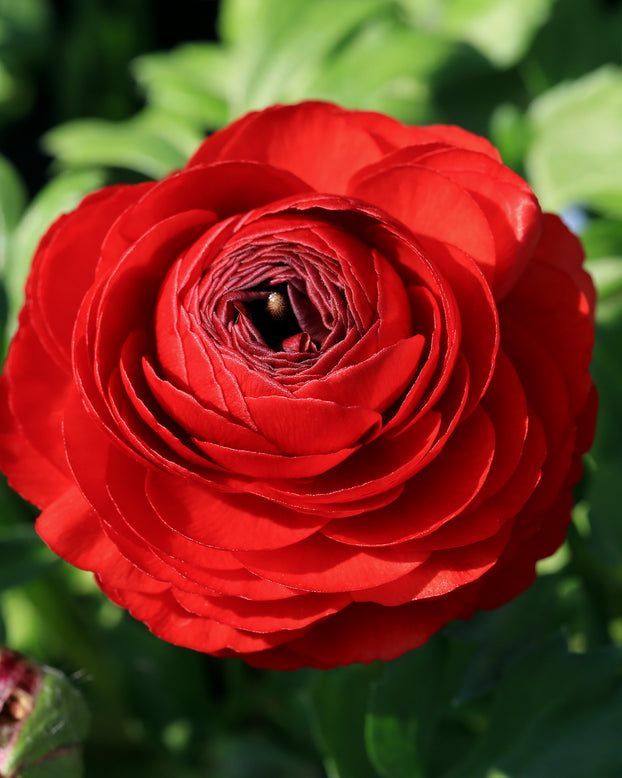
column 100, row 38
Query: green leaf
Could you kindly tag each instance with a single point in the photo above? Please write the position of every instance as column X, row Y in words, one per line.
column 284, row 698
column 607, row 275
column 284, row 53
column 602, row 238
column 499, row 636
column 399, row 63
column 253, row 756
column 553, row 713
column 62, row 194
column 602, row 241
column 509, row 133
column 501, row 30
column 193, row 81
column 279, row 47
column 605, row 497
column 359, row 53
column 12, row 202
column 338, row 704
column 139, row 144
column 405, row 705
column 256, row 20
column 576, row 153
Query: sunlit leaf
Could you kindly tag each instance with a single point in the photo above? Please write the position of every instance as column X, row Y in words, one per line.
column 500, row 29
column 399, row 63
column 607, row 275
column 136, row 144
column 576, row 153
column 279, row 47
column 193, row 81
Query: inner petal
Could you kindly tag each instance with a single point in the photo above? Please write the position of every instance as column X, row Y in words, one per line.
column 275, row 304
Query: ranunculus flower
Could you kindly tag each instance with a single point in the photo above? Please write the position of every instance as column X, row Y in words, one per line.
column 311, row 397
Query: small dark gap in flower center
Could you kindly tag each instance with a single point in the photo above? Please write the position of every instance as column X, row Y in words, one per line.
column 273, row 316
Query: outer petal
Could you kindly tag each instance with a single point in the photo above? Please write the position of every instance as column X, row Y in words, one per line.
column 321, row 565
column 33, row 391
column 36, row 381
column 61, row 274
column 166, row 618
column 430, row 204
column 429, row 498
column 264, row 617
column 235, row 522
column 365, row 632
column 317, row 142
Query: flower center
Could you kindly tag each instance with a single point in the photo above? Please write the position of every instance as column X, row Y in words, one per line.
column 280, row 305
column 273, row 316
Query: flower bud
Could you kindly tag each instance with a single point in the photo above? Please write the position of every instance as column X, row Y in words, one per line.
column 43, row 721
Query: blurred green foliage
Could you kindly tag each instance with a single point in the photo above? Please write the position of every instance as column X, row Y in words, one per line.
column 528, row 691
column 24, row 31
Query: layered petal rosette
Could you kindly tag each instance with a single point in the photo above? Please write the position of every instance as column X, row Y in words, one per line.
column 311, row 397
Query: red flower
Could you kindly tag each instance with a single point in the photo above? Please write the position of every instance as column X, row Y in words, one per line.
column 311, row 397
